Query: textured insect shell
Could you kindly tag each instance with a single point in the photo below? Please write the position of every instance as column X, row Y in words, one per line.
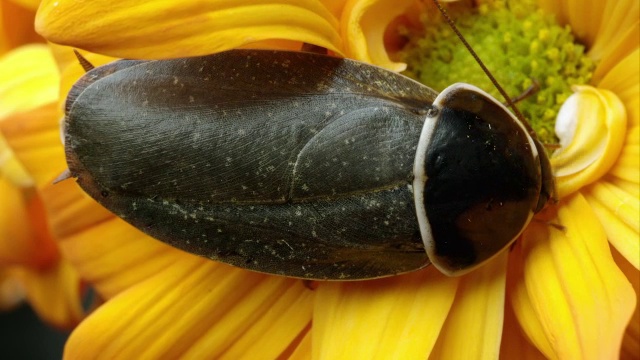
column 288, row 163
column 477, row 179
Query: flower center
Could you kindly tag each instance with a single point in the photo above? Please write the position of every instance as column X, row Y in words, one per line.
column 518, row 43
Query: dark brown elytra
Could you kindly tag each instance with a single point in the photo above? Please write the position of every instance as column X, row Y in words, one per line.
column 304, row 165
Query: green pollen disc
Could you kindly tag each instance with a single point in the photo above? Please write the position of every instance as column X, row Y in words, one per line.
column 517, row 42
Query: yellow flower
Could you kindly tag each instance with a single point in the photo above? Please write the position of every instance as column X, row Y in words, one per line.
column 561, row 293
column 30, row 156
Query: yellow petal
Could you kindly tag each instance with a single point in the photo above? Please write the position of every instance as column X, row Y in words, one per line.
column 275, row 44
column 628, row 186
column 12, row 291
column 628, row 165
column 165, row 29
column 363, row 24
column 398, row 317
column 475, row 319
column 69, row 209
column 114, row 256
column 24, row 239
column 625, row 206
column 624, row 45
column 521, row 304
column 591, row 125
column 619, row 213
column 198, row 309
column 631, row 342
column 34, row 137
column 334, row 6
column 54, row 293
column 515, row 344
column 572, row 301
column 28, row 4
column 28, row 79
column 278, row 307
column 302, row 350
column 618, row 16
column 11, row 169
column 584, row 17
column 556, row 8
column 624, row 81
column 16, row 25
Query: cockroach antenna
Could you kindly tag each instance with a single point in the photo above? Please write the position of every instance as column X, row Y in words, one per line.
column 504, row 94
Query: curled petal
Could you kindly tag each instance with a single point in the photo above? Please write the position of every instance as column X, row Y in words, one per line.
column 476, row 316
column 572, row 300
column 398, row 317
column 165, row 29
column 28, row 79
column 591, row 125
column 623, row 80
column 363, row 25
column 197, row 309
column 619, row 213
